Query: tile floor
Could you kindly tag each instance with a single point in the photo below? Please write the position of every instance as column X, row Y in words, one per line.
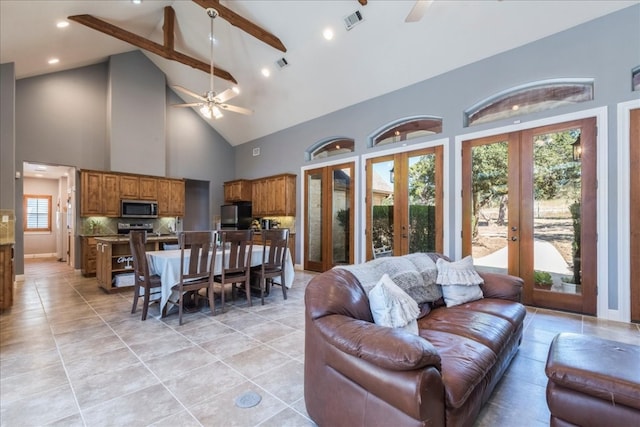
column 71, row 355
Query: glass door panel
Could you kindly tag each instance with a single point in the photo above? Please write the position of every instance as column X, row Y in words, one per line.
column 313, row 220
column 341, row 215
column 422, row 203
column 382, row 207
column 489, row 206
column 557, row 186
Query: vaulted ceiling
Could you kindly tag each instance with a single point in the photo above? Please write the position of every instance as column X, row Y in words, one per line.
column 380, row 54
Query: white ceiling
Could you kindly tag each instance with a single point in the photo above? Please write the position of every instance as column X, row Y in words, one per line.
column 379, row 55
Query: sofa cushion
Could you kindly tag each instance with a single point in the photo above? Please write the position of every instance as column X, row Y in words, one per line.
column 392, row 307
column 465, row 363
column 460, row 281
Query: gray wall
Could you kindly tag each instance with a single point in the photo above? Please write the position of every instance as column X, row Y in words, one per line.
column 137, row 105
column 605, row 49
column 7, row 135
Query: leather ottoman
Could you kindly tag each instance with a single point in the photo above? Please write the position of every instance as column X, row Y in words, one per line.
column 593, row 382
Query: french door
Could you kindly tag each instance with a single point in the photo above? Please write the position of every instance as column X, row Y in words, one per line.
column 404, row 203
column 329, row 213
column 529, row 209
column 634, row 205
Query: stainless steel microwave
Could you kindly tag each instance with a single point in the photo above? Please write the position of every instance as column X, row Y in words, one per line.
column 138, row 209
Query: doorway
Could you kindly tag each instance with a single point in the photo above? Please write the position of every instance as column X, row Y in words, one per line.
column 329, row 216
column 404, row 202
column 529, row 209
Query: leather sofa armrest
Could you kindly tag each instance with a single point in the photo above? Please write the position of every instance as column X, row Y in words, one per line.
column 385, row 347
column 501, row 286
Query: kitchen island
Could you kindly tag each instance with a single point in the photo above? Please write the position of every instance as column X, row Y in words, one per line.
column 114, row 262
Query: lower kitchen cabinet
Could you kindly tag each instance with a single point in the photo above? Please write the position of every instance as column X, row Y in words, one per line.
column 89, row 254
column 114, row 262
column 7, row 276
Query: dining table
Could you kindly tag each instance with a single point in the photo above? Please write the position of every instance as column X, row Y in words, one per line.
column 166, row 264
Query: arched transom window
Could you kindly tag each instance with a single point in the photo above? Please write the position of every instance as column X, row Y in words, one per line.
column 330, row 147
column 405, row 129
column 530, row 98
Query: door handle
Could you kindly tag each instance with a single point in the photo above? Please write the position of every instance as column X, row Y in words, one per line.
column 514, row 238
column 514, row 228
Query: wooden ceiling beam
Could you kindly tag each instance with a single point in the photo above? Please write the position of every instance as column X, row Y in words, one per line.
column 168, row 27
column 243, row 23
column 149, row 45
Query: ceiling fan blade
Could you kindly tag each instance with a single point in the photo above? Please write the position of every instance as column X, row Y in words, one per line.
column 189, row 92
column 193, row 104
column 226, row 95
column 418, row 10
column 236, row 109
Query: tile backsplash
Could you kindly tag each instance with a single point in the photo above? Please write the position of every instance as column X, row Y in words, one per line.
column 7, row 226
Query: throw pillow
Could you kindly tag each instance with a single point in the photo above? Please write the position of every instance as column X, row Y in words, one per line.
column 392, row 307
column 459, row 280
column 427, row 268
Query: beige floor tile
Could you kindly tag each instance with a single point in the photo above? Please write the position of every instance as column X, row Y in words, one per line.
column 96, row 364
column 176, row 364
column 90, row 349
column 288, row 418
column 32, row 382
column 39, row 409
column 266, row 331
column 285, row 382
column 230, row 345
column 181, row 419
column 255, row 361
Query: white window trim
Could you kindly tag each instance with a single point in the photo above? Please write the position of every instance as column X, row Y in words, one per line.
column 624, row 209
column 600, row 114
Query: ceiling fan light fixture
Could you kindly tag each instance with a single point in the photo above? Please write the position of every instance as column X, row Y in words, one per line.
column 217, row 114
column 236, row 90
column 205, row 111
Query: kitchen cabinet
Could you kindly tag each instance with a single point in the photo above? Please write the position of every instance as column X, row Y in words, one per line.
column 148, row 188
column 129, row 187
column 274, row 196
column 134, row 187
column 113, row 259
column 100, row 194
column 257, row 240
column 237, row 191
column 170, row 197
column 89, row 255
column 7, row 275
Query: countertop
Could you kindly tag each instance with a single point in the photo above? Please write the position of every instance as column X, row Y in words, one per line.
column 125, row 238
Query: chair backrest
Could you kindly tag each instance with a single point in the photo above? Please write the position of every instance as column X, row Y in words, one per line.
column 236, row 256
column 201, row 247
column 137, row 243
column 275, row 244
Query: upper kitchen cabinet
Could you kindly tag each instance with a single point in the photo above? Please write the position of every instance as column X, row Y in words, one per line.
column 274, row 196
column 100, row 194
column 237, row 191
column 134, row 187
column 170, row 197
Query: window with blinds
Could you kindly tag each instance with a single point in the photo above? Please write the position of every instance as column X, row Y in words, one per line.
column 37, row 212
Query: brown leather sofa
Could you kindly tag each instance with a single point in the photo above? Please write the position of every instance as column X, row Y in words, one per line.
column 358, row 373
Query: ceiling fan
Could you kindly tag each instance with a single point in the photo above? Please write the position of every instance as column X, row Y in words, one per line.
column 211, row 103
column 418, row 10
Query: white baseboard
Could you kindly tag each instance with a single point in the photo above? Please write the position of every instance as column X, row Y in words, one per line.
column 50, row 255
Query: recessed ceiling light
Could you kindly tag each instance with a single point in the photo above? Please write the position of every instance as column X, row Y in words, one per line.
column 327, row 33
column 265, row 72
column 236, row 90
column 39, row 175
column 62, row 24
column 53, row 61
column 136, row 1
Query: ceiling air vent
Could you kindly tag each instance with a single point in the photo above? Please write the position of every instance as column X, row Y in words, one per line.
column 282, row 62
column 351, row 20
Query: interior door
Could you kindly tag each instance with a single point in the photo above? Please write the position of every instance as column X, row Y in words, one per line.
column 634, row 205
column 404, row 203
column 329, row 216
column 529, row 209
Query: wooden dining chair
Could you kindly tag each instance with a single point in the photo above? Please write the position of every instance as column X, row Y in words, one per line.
column 150, row 284
column 197, row 274
column 236, row 262
column 274, row 254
